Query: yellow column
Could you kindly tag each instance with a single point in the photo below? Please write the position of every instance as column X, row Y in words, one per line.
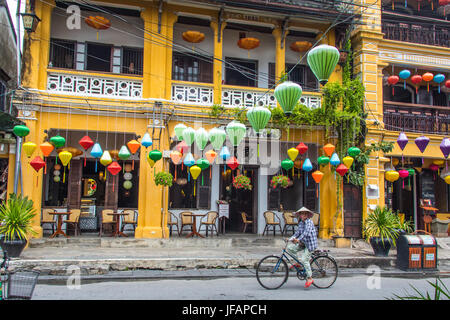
column 46, row 16
column 280, row 53
column 171, row 19
column 218, row 57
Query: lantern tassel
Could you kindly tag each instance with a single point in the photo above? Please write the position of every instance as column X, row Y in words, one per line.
column 194, row 188
column 175, row 173
column 132, row 166
column 202, row 178
column 189, row 176
column 64, row 175
column 85, row 159
column 45, row 166
column 306, row 179
column 317, row 192
column 210, row 174
column 96, row 165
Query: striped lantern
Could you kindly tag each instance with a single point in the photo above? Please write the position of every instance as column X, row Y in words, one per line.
column 323, row 60
column 258, row 118
column 236, row 132
column 287, row 94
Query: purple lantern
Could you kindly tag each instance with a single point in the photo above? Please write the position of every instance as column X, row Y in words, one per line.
column 422, row 143
column 445, row 147
column 402, row 141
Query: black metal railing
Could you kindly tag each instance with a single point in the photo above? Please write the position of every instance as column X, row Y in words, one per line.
column 400, row 116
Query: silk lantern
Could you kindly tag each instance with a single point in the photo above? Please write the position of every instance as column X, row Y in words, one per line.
column 354, row 152
column 133, row 146
column 195, row 172
column 392, row 80
column 146, row 140
column 189, row 136
column 179, row 129
column 21, row 131
column 411, row 172
column 403, row 174
column 323, row 160
column 28, row 148
column 236, row 132
column 65, row 157
column 288, row 94
column 447, row 179
column 334, row 161
column 58, row 141
column 114, row 168
column 445, row 148
column 342, row 169
column 124, row 153
column 392, row 175
column 422, row 143
column 217, row 137
column 98, row 22
column 404, row 74
column 233, row 163
column 329, row 149
column 416, row 79
column 438, row 79
column 225, row 155
column 248, row 44
column 300, row 46
column 114, row 154
column 258, row 118
column 176, row 157
column 323, row 60
column 203, row 164
column 182, row 147
column 37, row 163
column 447, row 84
column 46, row 149
column 96, row 152
column 428, row 76
column 348, row 161
column 434, row 168
column 211, row 156
column 85, row 142
column 307, row 167
column 302, row 148
column 292, row 154
column 287, row 164
column 201, row 138
column 127, row 184
column 188, row 162
column 402, row 141
column 317, row 176
column 155, row 155
column 105, row 159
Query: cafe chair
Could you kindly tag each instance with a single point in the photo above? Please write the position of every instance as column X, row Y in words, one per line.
column 427, row 223
column 210, row 222
column 289, row 222
column 74, row 221
column 130, row 218
column 186, row 221
column 172, row 221
column 47, row 218
column 106, row 219
column 246, row 221
column 271, row 222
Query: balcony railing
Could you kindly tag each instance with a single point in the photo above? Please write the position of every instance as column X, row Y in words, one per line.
column 434, row 35
column 400, row 116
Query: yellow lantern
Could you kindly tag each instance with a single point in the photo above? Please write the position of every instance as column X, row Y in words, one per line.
column 292, row 153
column 348, row 161
column 438, row 162
column 301, row 46
column 150, row 162
column 193, row 36
column 195, row 172
column 395, row 161
column 106, row 158
column 65, row 157
column 29, row 148
column 447, row 179
column 392, row 175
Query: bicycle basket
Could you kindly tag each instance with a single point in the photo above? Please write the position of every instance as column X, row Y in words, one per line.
column 20, row 285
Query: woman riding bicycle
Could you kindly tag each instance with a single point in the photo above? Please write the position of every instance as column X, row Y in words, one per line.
column 304, row 241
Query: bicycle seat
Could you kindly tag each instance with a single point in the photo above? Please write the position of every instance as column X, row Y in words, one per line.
column 319, row 252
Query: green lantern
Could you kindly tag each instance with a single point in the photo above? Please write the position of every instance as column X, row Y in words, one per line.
column 354, row 152
column 217, row 137
column 258, row 117
column 287, row 94
column 189, row 136
column 179, row 129
column 201, row 138
column 287, row 164
column 323, row 60
column 236, row 132
column 58, row 141
column 203, row 164
column 323, row 160
column 127, row 184
column 21, row 131
column 155, row 155
column 124, row 153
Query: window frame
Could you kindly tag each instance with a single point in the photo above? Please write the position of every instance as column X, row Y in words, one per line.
column 234, row 60
column 111, row 56
column 74, row 52
column 205, row 71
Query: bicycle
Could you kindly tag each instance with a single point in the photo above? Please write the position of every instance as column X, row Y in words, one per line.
column 273, row 271
column 16, row 285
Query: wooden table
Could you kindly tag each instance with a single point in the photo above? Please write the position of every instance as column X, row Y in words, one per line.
column 58, row 228
column 194, row 227
column 116, row 216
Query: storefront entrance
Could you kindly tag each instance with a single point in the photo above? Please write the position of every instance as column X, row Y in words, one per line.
column 240, row 200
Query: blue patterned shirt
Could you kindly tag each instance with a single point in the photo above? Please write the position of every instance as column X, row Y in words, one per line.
column 306, row 232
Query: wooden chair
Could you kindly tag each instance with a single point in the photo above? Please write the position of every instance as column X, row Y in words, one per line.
column 130, row 218
column 245, row 221
column 172, row 221
column 47, row 218
column 74, row 220
column 106, row 219
column 427, row 223
column 186, row 221
column 271, row 218
column 289, row 222
column 210, row 222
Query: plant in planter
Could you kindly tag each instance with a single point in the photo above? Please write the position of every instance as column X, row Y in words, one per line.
column 164, row 179
column 405, row 226
column 381, row 230
column 242, row 182
column 279, row 180
column 16, row 215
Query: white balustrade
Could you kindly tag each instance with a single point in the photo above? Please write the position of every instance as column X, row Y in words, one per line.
column 192, row 94
column 81, row 85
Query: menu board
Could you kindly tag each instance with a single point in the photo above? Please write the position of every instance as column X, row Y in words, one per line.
column 428, row 192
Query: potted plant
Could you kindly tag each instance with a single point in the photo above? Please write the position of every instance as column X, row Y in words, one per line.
column 164, row 179
column 381, row 230
column 242, row 182
column 280, row 180
column 16, row 215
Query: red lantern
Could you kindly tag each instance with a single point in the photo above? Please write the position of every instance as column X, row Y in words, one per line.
column 392, row 80
column 416, row 79
column 302, row 148
column 233, row 163
column 428, row 77
column 182, row 147
column 86, row 143
column 341, row 169
column 37, row 163
column 447, row 83
column 114, row 168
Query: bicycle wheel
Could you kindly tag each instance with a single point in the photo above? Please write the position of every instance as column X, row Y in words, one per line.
column 324, row 271
column 272, row 272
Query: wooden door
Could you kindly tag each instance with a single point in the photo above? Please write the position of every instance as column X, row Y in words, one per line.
column 352, row 211
column 74, row 184
column 111, row 191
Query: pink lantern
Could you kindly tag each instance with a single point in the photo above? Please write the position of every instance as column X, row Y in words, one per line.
column 434, row 168
column 403, row 174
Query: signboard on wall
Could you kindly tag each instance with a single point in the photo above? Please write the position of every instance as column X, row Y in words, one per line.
column 224, row 210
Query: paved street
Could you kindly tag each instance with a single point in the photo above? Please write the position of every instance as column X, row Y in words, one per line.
column 345, row 288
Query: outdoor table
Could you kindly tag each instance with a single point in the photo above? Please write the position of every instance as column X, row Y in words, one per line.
column 194, row 227
column 116, row 216
column 58, row 228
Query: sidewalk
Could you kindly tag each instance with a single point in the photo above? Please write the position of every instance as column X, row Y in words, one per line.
column 230, row 255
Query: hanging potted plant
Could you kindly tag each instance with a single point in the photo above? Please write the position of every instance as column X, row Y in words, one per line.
column 381, row 229
column 16, row 215
column 280, row 180
column 164, row 179
column 242, row 182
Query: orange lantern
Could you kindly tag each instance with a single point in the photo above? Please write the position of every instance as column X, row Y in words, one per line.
column 248, row 44
column 193, row 36
column 427, row 77
column 133, row 146
column 98, row 22
column 301, row 46
column 114, row 154
column 46, row 149
column 329, row 149
column 317, row 176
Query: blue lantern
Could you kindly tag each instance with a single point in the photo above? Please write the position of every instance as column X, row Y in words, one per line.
column 404, row 74
column 307, row 166
column 96, row 152
column 225, row 155
column 146, row 140
column 188, row 162
column 438, row 79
